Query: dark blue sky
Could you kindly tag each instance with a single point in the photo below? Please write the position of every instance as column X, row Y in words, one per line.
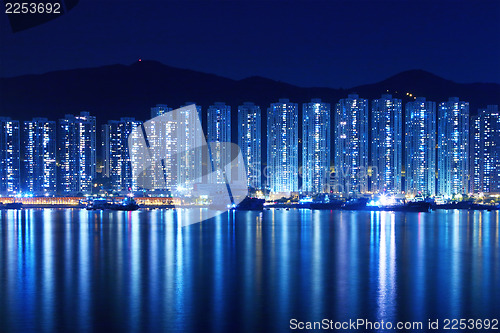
column 334, row 43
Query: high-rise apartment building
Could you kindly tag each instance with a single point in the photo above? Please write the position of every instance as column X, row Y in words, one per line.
column 39, row 157
column 282, row 147
column 176, row 144
column 486, row 154
column 351, row 145
column 190, row 140
column 476, row 163
column 420, row 147
column 218, row 132
column 453, row 147
column 10, row 156
column 387, row 145
column 315, row 147
column 162, row 135
column 249, row 140
column 116, row 153
column 77, row 153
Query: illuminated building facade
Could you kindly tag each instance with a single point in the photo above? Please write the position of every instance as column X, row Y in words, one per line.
column 163, row 137
column 10, row 156
column 177, row 139
column 420, row 147
column 219, row 131
column 191, row 141
column 351, row 145
column 453, row 147
column 77, row 153
column 315, row 147
column 116, row 154
column 249, row 140
column 476, row 154
column 39, row 157
column 283, row 147
column 486, row 154
column 387, row 145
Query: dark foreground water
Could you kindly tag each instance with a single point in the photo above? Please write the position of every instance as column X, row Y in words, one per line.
column 79, row 271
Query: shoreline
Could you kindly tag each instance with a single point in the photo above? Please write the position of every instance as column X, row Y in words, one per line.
column 288, row 207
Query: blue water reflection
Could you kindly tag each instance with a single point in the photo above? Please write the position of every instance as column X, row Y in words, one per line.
column 88, row 271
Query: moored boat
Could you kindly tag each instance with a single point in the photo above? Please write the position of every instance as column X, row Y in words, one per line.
column 356, row 204
column 251, row 204
column 334, row 204
column 98, row 204
column 485, row 207
column 12, row 205
column 413, row 206
column 127, row 204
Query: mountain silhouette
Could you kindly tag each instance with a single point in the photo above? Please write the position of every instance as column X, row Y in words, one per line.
column 115, row 91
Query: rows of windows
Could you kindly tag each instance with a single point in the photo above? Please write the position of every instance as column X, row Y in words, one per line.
column 431, row 146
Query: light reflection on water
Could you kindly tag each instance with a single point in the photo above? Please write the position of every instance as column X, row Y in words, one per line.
column 80, row 271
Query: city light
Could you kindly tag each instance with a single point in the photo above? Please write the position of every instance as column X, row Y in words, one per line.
column 441, row 160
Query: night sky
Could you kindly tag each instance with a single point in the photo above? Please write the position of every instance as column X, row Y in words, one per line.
column 333, row 44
